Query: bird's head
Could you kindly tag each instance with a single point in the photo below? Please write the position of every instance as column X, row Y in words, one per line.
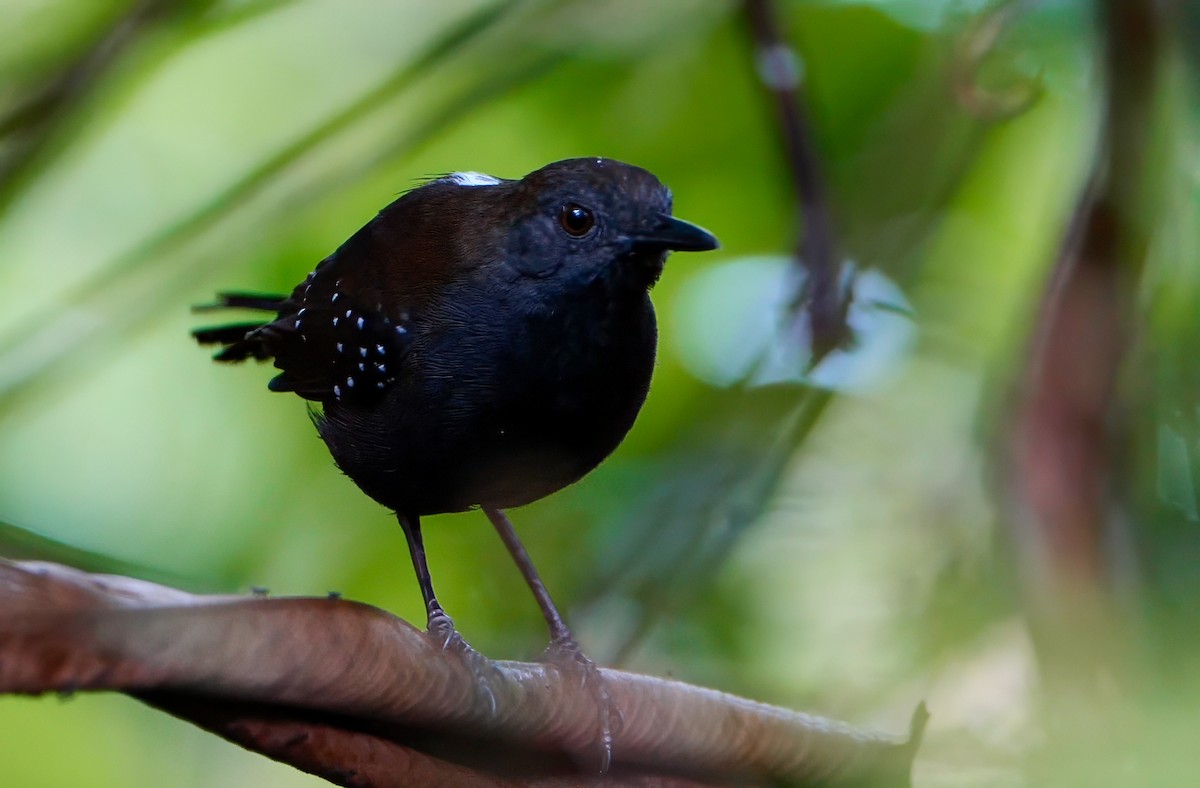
column 579, row 220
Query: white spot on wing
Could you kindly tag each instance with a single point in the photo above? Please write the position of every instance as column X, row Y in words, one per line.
column 471, row 179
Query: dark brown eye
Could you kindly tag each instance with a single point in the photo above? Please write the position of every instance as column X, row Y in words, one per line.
column 576, row 219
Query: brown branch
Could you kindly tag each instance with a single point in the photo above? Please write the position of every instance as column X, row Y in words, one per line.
column 780, row 68
column 359, row 697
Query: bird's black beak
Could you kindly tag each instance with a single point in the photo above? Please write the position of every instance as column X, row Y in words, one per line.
column 674, row 234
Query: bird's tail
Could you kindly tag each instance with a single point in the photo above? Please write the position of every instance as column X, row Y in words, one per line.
column 249, row 339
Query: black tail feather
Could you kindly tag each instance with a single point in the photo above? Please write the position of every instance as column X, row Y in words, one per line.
column 267, row 302
column 224, row 335
column 251, row 339
column 241, row 340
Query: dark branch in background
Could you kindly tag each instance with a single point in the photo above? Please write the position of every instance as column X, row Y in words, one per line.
column 59, row 350
column 361, row 698
column 781, row 71
column 1064, row 452
column 28, row 128
column 721, row 479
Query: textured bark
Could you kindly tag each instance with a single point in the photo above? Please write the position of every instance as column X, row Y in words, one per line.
column 361, row 698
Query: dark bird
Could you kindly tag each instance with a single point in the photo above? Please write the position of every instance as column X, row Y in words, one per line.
column 480, row 343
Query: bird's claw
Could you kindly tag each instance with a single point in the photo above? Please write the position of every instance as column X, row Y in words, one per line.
column 565, row 654
column 443, row 633
column 441, row 629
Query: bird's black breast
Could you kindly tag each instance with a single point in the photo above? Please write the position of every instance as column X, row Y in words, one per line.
column 501, row 402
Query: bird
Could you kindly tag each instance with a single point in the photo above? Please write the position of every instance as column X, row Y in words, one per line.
column 480, row 343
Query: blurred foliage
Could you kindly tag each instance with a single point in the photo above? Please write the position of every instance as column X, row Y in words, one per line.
column 836, row 552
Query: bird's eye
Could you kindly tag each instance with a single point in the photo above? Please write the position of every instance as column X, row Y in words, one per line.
column 576, row 219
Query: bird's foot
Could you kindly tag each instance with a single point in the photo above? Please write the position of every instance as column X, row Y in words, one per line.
column 442, row 632
column 564, row 653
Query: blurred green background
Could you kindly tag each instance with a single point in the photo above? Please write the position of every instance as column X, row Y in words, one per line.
column 834, row 548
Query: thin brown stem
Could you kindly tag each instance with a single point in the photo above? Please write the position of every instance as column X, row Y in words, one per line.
column 781, row 71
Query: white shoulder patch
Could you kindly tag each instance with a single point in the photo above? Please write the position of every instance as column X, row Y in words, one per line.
column 471, row 179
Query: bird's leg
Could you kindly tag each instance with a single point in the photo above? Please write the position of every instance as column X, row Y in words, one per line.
column 560, row 633
column 563, row 651
column 438, row 624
